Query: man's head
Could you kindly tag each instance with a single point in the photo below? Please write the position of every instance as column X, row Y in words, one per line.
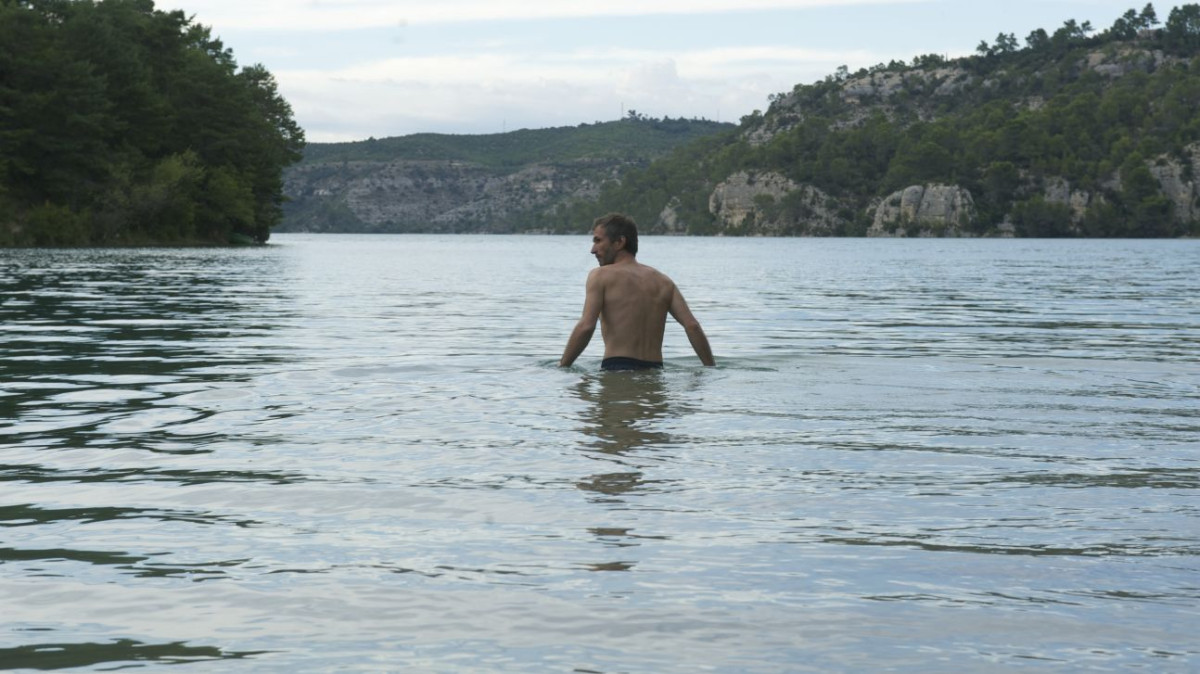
column 612, row 234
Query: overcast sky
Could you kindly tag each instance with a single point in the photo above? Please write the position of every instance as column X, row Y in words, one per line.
column 354, row 69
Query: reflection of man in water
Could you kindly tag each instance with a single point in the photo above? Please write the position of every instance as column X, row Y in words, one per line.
column 627, row 422
column 623, row 421
column 622, row 414
column 631, row 302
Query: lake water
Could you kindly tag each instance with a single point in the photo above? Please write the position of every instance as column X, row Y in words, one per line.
column 356, row 453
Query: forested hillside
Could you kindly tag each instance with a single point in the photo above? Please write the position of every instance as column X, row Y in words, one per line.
column 635, row 137
column 123, row 125
column 1075, row 132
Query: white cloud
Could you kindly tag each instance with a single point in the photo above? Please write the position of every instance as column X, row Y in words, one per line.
column 324, row 15
column 348, row 76
column 480, row 93
column 590, row 67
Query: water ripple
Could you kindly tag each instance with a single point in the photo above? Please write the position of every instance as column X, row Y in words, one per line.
column 347, row 453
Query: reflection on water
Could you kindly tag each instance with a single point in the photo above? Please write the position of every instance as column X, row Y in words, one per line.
column 356, row 453
column 619, row 417
column 67, row 656
column 621, row 408
column 105, row 348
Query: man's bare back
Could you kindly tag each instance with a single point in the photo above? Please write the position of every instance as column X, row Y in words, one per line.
column 631, row 301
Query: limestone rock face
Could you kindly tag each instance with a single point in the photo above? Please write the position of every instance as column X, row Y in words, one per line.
column 1058, row 191
column 924, row 210
column 1123, row 61
column 1178, row 178
column 884, row 85
column 817, row 212
column 751, row 203
column 869, row 93
column 733, row 201
column 668, row 220
column 1180, row 182
column 771, row 127
column 430, row 196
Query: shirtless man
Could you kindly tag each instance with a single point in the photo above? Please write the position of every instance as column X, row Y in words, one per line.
column 631, row 302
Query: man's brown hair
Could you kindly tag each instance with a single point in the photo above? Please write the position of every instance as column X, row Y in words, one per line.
column 617, row 225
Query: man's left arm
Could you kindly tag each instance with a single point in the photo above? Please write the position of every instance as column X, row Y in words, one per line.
column 593, row 303
column 681, row 312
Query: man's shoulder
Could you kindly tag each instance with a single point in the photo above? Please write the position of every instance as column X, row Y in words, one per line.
column 612, row 271
column 658, row 276
column 634, row 270
column 600, row 277
column 597, row 274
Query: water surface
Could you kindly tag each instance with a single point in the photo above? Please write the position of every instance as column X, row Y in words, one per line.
column 356, row 453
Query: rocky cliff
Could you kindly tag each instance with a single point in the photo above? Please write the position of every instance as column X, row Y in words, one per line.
column 753, row 203
column 1035, row 99
column 1179, row 179
column 487, row 183
column 769, row 204
column 432, row 196
column 924, row 210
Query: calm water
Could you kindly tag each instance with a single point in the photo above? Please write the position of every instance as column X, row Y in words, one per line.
column 356, row 453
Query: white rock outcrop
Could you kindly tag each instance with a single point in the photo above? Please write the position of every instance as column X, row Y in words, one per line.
column 733, row 201
column 1114, row 63
column 882, row 85
column 749, row 203
column 1059, row 191
column 668, row 220
column 1180, row 182
column 924, row 210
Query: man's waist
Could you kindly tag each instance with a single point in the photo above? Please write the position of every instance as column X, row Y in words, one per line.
column 615, row 363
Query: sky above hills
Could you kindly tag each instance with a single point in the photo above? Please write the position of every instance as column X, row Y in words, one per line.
column 354, row 69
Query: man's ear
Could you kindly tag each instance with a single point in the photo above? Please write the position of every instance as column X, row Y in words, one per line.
column 621, row 241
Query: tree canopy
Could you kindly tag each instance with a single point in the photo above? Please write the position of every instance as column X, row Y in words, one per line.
column 124, row 125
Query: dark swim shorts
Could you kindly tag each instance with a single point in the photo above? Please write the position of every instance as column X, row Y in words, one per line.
column 621, row 364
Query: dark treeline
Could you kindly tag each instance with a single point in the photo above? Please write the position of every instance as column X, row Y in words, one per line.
column 1018, row 118
column 124, row 125
column 634, row 137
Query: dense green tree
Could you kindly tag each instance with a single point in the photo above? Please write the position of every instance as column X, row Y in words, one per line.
column 122, row 124
column 1182, row 32
column 1148, row 18
column 1038, row 39
column 1040, row 218
column 1125, row 27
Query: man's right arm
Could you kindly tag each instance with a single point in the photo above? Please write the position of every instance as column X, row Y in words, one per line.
column 695, row 334
column 593, row 303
